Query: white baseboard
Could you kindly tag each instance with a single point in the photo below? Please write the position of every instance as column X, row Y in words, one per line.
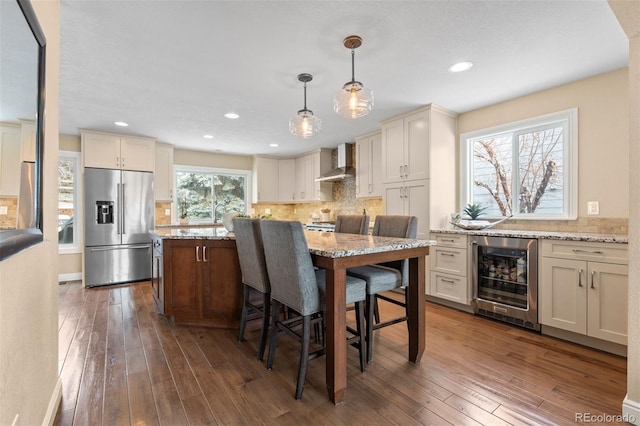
column 74, row 276
column 54, row 403
column 631, row 411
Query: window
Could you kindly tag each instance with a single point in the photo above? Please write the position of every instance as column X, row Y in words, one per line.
column 205, row 195
column 69, row 212
column 527, row 169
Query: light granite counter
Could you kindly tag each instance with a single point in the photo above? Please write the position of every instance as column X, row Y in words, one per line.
column 195, row 233
column 335, row 245
column 548, row 235
column 326, row 244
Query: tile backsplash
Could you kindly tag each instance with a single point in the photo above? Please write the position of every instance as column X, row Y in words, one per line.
column 344, row 202
column 9, row 220
column 592, row 225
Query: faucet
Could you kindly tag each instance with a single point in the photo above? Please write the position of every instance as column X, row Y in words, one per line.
column 215, row 211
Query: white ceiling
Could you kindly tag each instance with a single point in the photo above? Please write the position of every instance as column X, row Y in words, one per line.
column 171, row 69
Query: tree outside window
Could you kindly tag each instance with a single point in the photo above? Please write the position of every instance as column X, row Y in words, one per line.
column 524, row 170
column 208, row 195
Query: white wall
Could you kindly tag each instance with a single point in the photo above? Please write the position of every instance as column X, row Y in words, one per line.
column 207, row 159
column 603, row 134
column 628, row 14
column 29, row 384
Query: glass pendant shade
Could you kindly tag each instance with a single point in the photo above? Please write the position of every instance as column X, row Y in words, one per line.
column 354, row 100
column 304, row 123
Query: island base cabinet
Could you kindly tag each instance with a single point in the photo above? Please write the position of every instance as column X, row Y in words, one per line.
column 202, row 282
column 585, row 297
column 222, row 298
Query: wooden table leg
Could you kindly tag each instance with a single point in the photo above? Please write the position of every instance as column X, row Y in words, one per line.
column 336, row 374
column 416, row 306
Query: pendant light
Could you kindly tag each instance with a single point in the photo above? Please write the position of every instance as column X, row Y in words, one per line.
column 354, row 100
column 304, row 123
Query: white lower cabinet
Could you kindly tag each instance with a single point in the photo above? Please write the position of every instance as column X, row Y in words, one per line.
column 448, row 278
column 409, row 198
column 583, row 289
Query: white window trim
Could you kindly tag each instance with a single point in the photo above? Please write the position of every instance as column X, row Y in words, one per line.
column 570, row 147
column 77, row 245
column 215, row 170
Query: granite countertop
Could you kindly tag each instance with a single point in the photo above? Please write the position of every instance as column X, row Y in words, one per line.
column 334, row 245
column 327, row 244
column 548, row 235
column 194, row 233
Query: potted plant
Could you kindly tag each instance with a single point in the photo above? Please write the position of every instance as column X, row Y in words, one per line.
column 474, row 210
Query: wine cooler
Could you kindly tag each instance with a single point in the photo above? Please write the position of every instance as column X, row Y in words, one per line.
column 505, row 279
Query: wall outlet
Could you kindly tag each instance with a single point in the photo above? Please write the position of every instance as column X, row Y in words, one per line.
column 4, row 210
column 167, row 212
column 267, row 211
column 593, row 207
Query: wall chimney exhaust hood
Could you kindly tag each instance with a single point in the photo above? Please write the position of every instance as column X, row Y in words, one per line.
column 345, row 165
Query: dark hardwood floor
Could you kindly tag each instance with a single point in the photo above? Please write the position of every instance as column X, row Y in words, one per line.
column 121, row 363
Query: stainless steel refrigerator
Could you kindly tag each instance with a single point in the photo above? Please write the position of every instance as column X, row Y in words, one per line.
column 119, row 213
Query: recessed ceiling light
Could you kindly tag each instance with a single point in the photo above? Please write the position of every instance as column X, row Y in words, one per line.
column 273, row 145
column 207, row 136
column 121, row 123
column 232, row 115
column 460, row 66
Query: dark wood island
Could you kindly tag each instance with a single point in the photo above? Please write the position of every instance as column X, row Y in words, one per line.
column 196, row 276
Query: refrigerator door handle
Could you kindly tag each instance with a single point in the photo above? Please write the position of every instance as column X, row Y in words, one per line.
column 124, row 208
column 111, row 248
column 119, row 212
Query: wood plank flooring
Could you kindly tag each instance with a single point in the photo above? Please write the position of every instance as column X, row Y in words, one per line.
column 121, row 363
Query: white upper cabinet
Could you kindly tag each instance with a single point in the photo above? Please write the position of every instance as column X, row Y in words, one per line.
column 308, row 168
column 113, row 151
column 368, row 166
column 265, row 180
column 292, row 180
column 286, row 180
column 163, row 175
column 405, row 147
column 418, row 166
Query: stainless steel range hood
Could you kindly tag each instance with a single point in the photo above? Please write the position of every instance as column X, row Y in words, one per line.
column 345, row 165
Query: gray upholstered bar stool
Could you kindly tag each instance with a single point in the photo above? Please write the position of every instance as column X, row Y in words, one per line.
column 254, row 277
column 295, row 284
column 352, row 224
column 386, row 276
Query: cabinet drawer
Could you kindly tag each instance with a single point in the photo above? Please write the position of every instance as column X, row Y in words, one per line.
column 449, row 287
column 448, row 259
column 601, row 252
column 450, row 240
